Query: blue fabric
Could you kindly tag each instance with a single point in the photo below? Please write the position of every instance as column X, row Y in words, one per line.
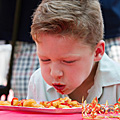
column 111, row 16
column 7, row 11
column 110, row 10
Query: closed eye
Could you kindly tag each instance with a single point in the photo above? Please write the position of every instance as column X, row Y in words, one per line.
column 45, row 60
column 72, row 61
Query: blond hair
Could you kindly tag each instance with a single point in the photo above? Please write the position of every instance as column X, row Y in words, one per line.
column 79, row 18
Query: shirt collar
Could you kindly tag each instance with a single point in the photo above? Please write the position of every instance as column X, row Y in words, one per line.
column 48, row 87
column 107, row 74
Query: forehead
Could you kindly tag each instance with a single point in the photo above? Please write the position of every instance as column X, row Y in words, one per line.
column 60, row 41
column 43, row 37
column 47, row 43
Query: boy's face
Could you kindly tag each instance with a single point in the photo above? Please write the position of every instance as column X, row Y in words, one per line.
column 65, row 63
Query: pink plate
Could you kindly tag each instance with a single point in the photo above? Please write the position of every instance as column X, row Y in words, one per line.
column 42, row 110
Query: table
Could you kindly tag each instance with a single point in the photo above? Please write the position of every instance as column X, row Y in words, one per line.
column 21, row 115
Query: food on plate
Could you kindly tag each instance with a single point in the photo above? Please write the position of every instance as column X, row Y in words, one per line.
column 6, row 103
column 65, row 102
column 31, row 103
column 26, row 103
column 15, row 102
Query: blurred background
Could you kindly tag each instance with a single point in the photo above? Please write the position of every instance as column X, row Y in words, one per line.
column 18, row 59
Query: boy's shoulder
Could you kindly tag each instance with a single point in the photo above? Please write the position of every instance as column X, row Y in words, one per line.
column 108, row 71
column 36, row 74
column 109, row 63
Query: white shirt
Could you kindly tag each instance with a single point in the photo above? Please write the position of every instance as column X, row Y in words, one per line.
column 106, row 84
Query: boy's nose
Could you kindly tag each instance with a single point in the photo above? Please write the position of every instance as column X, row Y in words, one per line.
column 56, row 72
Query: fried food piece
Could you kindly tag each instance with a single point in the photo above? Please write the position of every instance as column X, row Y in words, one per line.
column 64, row 106
column 5, row 103
column 65, row 102
column 29, row 103
column 74, row 103
column 15, row 101
column 45, row 103
column 38, row 106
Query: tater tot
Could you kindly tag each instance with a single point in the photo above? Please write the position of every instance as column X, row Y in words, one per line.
column 16, row 102
column 63, row 106
column 5, row 103
column 55, row 103
column 29, row 103
column 38, row 106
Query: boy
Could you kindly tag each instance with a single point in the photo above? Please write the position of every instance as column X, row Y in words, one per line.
column 68, row 36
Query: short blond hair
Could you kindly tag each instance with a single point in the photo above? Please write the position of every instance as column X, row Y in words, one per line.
column 79, row 18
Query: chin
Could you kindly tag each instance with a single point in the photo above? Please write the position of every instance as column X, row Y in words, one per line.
column 66, row 92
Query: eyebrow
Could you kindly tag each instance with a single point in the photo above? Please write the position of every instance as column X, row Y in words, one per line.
column 62, row 57
column 70, row 56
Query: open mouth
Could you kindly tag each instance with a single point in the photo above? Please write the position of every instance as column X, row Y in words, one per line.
column 58, row 86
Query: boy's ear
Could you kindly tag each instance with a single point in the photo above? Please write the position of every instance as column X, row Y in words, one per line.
column 99, row 50
column 34, row 37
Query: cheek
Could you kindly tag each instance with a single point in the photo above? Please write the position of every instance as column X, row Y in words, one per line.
column 80, row 72
column 45, row 74
column 86, row 68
